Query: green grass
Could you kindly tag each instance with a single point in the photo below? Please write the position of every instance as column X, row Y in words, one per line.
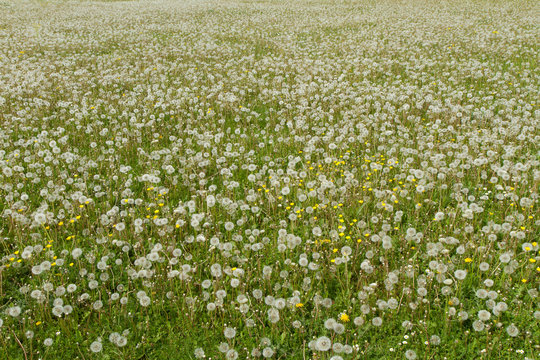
column 294, row 116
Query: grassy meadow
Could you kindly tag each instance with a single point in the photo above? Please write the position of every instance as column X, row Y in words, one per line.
column 228, row 179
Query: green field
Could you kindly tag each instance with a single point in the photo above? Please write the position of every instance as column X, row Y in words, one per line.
column 227, row 179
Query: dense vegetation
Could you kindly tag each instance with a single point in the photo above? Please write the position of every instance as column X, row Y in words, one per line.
column 269, row 179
